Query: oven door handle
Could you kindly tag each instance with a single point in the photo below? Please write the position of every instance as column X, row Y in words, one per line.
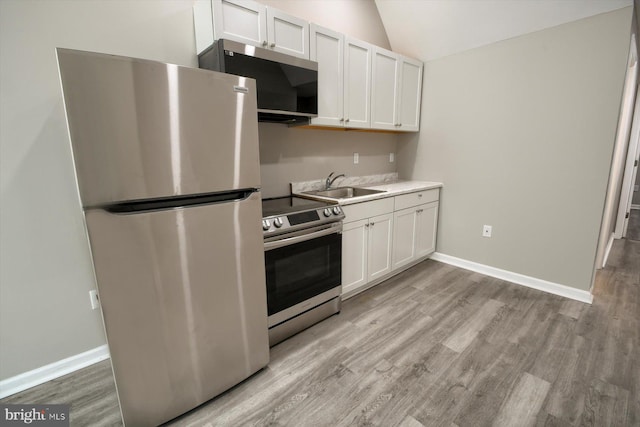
column 333, row 229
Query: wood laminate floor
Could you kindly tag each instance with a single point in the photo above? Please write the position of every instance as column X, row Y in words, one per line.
column 435, row 346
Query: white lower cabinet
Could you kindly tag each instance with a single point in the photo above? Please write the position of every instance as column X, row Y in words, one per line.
column 381, row 237
column 414, row 233
column 355, row 238
column 426, row 228
column 367, row 237
column 379, row 246
column 366, row 251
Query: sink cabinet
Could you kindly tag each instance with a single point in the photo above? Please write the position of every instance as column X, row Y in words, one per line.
column 383, row 237
column 366, row 243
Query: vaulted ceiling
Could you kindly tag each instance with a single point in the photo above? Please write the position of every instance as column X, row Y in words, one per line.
column 430, row 29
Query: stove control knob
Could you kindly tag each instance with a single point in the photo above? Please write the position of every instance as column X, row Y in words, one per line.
column 327, row 212
column 266, row 224
column 278, row 222
column 336, row 210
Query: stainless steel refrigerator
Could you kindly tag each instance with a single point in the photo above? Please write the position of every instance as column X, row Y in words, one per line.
column 167, row 166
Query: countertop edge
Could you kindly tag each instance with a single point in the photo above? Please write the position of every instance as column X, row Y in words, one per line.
column 390, row 190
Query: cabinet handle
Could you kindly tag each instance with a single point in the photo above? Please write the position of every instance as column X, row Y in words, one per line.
column 366, row 225
column 346, row 120
column 264, row 43
column 342, row 119
column 273, row 45
column 419, row 195
column 373, row 223
column 419, row 210
column 399, row 124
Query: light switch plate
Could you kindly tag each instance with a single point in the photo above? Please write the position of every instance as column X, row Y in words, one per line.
column 486, row 230
column 95, row 301
column 392, row 157
column 356, row 158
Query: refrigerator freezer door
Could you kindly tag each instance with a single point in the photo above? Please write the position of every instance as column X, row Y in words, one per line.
column 184, row 303
column 144, row 129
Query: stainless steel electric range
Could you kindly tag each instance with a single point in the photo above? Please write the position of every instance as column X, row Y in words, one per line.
column 303, row 261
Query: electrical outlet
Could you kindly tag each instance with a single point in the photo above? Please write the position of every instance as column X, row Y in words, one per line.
column 392, row 157
column 95, row 301
column 356, row 158
column 486, row 231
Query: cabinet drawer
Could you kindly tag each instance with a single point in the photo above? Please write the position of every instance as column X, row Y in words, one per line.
column 359, row 211
column 414, row 199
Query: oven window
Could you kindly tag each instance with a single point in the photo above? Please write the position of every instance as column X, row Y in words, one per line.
column 301, row 271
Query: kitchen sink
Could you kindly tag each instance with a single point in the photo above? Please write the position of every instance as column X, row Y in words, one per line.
column 344, row 192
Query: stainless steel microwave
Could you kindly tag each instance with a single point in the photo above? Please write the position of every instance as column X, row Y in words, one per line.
column 287, row 86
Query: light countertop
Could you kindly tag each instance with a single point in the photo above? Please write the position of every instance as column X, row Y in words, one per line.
column 391, row 187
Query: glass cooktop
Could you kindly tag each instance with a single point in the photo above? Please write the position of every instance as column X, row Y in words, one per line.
column 290, row 204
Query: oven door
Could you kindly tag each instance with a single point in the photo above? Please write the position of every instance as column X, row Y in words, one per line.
column 303, row 270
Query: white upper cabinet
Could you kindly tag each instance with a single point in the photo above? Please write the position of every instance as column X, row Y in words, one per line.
column 287, row 34
column 344, row 79
column 410, row 94
column 396, row 90
column 385, row 89
column 327, row 49
column 250, row 22
column 240, row 20
column 357, row 84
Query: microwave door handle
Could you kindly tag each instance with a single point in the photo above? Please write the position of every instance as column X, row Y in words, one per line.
column 297, row 239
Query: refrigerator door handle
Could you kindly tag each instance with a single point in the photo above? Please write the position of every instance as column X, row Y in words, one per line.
column 138, row 206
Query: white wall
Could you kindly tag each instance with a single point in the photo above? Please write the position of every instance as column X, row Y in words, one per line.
column 521, row 133
column 45, row 266
column 299, row 154
column 437, row 28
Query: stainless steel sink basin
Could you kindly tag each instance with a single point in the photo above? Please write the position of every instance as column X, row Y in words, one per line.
column 344, row 192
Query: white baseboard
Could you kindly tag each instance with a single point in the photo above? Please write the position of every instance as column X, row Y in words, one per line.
column 520, row 279
column 54, row 370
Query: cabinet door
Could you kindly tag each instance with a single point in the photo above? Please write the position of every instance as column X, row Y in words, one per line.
column 327, row 49
column 287, row 34
column 203, row 24
column 379, row 257
column 410, row 95
column 426, row 229
column 354, row 255
column 385, row 86
column 357, row 84
column 241, row 20
column 404, row 235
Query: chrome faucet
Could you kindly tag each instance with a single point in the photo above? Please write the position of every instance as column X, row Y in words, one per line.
column 331, row 179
